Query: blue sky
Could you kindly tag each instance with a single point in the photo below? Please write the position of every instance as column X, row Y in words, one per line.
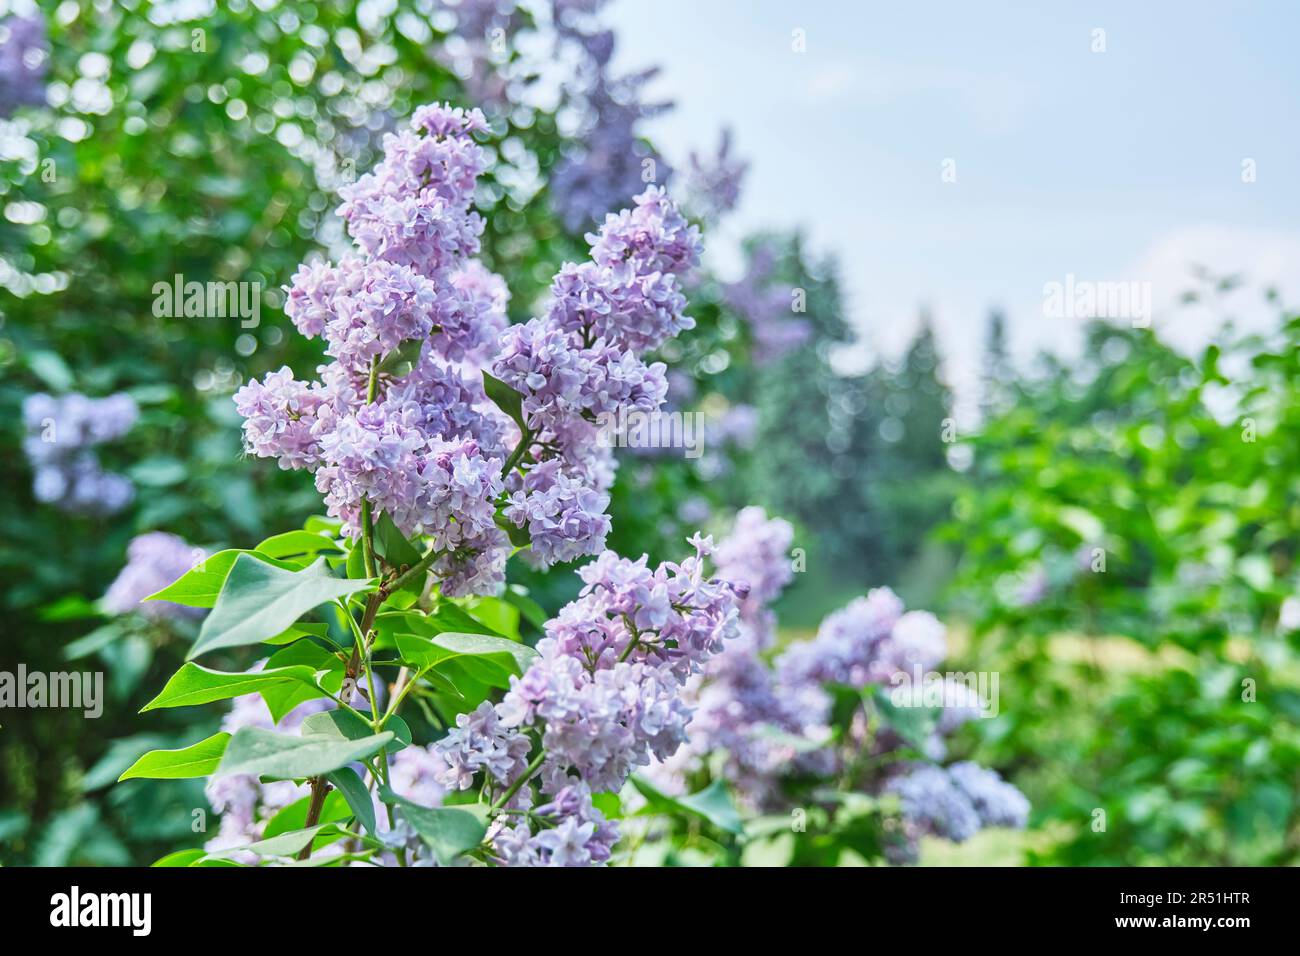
column 1118, row 165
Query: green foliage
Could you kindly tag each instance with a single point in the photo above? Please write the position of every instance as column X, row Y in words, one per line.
column 1129, row 536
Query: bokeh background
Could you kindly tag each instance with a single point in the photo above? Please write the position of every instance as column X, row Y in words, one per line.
column 916, row 175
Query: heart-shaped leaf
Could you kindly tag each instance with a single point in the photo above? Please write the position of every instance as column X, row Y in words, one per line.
column 713, row 804
column 298, row 544
column 260, row 600
column 392, row 545
column 345, row 725
column 286, row 844
column 200, row 585
column 259, row 752
column 495, row 653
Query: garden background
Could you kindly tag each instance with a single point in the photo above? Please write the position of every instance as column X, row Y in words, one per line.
column 1112, row 531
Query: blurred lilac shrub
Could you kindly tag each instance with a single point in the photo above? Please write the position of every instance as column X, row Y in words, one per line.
column 61, row 435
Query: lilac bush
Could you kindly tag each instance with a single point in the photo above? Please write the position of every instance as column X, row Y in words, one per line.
column 443, row 441
column 62, row 434
column 768, row 719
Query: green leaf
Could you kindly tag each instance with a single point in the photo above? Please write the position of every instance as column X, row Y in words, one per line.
column 200, row 585
column 158, row 471
column 453, row 617
column 448, row 831
column 180, row 858
column 194, row 684
column 402, row 360
column 345, row 725
column 914, row 724
column 466, row 666
column 491, row 659
column 264, row 753
column 323, row 524
column 297, row 544
column 50, row 368
column 196, row 760
column 392, row 545
column 355, row 565
column 328, row 672
column 259, row 601
column 609, row 804
column 519, row 535
column 347, row 782
column 122, row 753
column 96, row 640
column 334, row 808
column 498, row 614
column 713, row 804
column 505, row 398
column 286, row 844
column 70, row 607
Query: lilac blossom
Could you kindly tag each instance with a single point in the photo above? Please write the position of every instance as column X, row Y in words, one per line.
column 737, row 427
column 758, row 723
column 933, row 802
column 998, row 803
column 562, row 514
column 1032, row 588
column 427, row 448
column 741, row 711
column 714, row 183
column 608, row 161
column 954, row 803
column 578, row 364
column 400, row 418
column 756, row 555
column 602, row 698
column 61, row 436
column 845, row 650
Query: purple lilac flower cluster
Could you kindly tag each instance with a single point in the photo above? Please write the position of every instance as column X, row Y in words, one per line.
column 61, row 435
column 714, row 183
column 23, row 55
column 474, row 50
column 955, row 802
column 579, row 363
column 153, row 561
column 421, row 442
column 610, row 161
column 738, row 700
column 766, row 721
column 424, row 445
column 602, row 699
